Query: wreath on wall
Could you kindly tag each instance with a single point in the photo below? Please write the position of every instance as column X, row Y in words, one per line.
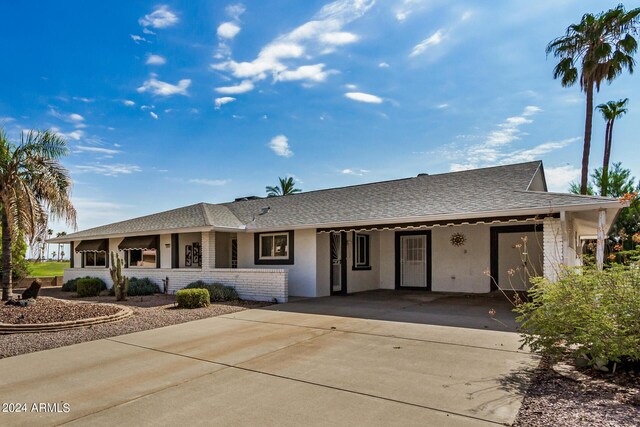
column 457, row 239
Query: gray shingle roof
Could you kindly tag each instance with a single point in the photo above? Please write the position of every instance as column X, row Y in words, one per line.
column 501, row 188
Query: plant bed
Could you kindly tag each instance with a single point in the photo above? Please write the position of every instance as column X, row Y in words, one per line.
column 48, row 310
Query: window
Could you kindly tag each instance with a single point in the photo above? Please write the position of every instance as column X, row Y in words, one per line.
column 361, row 252
column 95, row 259
column 141, row 258
column 274, row 248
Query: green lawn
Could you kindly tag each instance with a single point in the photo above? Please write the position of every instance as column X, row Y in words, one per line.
column 53, row 268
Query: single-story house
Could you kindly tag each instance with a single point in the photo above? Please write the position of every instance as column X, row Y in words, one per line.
column 468, row 231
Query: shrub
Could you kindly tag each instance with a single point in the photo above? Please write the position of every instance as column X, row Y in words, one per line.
column 144, row 286
column 72, row 284
column 586, row 313
column 192, row 298
column 217, row 291
column 89, row 287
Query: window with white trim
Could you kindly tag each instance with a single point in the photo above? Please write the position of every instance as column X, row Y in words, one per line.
column 95, row 259
column 361, row 252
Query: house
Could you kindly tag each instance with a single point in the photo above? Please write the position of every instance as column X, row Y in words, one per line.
column 468, row 231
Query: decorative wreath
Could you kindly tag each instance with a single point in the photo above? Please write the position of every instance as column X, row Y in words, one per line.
column 457, row 239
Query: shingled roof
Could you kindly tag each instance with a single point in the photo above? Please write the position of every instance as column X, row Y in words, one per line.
column 475, row 192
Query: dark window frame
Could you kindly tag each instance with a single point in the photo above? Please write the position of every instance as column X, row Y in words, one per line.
column 355, row 244
column 94, row 265
column 258, row 260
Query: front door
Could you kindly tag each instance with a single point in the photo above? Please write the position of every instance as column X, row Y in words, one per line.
column 413, row 253
column 338, row 277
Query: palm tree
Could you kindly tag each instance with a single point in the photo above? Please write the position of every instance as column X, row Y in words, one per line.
column 598, row 48
column 34, row 186
column 610, row 111
column 60, row 252
column 286, row 187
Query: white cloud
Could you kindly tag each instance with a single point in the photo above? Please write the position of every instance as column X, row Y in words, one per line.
column 560, row 177
column 83, row 99
column 407, row 8
column 147, row 107
column 318, row 36
column 157, row 87
column 146, row 30
column 162, row 17
column 530, row 110
column 76, row 117
column 433, row 40
column 154, row 115
column 355, row 172
column 75, row 135
column 84, row 148
column 313, row 73
column 442, row 106
column 383, row 65
column 364, row 97
column 244, row 86
column 235, row 10
column 228, row 30
column 128, row 103
column 338, row 38
column 209, row 182
column 219, row 102
column 280, row 145
column 156, row 60
column 108, row 170
column 136, row 38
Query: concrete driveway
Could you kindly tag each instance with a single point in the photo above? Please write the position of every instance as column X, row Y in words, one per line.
column 288, row 364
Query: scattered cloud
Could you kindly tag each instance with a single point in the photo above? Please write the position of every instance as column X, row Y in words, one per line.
column 128, row 103
column 160, row 88
column 83, row 99
column 280, row 145
column 234, row 11
column 136, row 38
column 210, row 182
column 355, row 172
column 228, row 30
column 147, row 107
column 433, row 40
column 156, row 60
column 101, row 150
column 407, row 8
column 75, row 135
column 161, row 17
column 314, row 73
column 383, row 65
column 560, row 177
column 530, row 110
column 321, row 35
column 219, row 102
column 364, row 97
column 108, row 169
column 244, row 86
column 154, row 115
column 73, row 118
column 76, row 117
column 442, row 106
column 7, row 119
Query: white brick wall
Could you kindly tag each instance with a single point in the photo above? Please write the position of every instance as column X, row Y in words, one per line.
column 552, row 245
column 251, row 283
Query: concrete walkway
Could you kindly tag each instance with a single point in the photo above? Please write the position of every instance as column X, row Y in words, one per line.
column 276, row 366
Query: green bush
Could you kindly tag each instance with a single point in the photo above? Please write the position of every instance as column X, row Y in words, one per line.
column 217, row 291
column 192, row 298
column 72, row 284
column 589, row 314
column 144, row 286
column 89, row 287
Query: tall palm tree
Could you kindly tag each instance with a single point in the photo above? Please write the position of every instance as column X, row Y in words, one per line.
column 286, row 186
column 49, row 234
column 597, row 49
column 34, row 186
column 60, row 251
column 610, row 111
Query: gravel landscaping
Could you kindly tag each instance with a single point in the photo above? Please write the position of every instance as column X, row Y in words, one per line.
column 48, row 310
column 595, row 399
column 149, row 312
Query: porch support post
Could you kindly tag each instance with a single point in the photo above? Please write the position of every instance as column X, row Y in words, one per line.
column 602, row 224
column 208, row 250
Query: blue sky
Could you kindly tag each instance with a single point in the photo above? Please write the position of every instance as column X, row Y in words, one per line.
column 168, row 104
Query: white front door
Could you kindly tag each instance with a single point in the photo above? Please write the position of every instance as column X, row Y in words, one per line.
column 413, row 261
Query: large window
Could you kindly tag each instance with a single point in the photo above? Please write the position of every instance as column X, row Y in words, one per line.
column 274, row 248
column 95, row 259
column 361, row 252
column 142, row 258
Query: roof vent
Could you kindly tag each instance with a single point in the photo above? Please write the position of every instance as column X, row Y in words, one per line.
column 242, row 199
column 423, row 174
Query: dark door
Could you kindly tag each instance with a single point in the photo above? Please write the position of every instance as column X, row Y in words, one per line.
column 234, row 253
column 338, row 243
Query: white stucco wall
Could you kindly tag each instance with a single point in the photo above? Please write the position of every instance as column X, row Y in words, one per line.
column 302, row 274
column 364, row 280
column 387, row 259
column 323, row 265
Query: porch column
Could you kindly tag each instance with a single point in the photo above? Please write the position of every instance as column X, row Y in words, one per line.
column 552, row 246
column 602, row 225
column 208, row 250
